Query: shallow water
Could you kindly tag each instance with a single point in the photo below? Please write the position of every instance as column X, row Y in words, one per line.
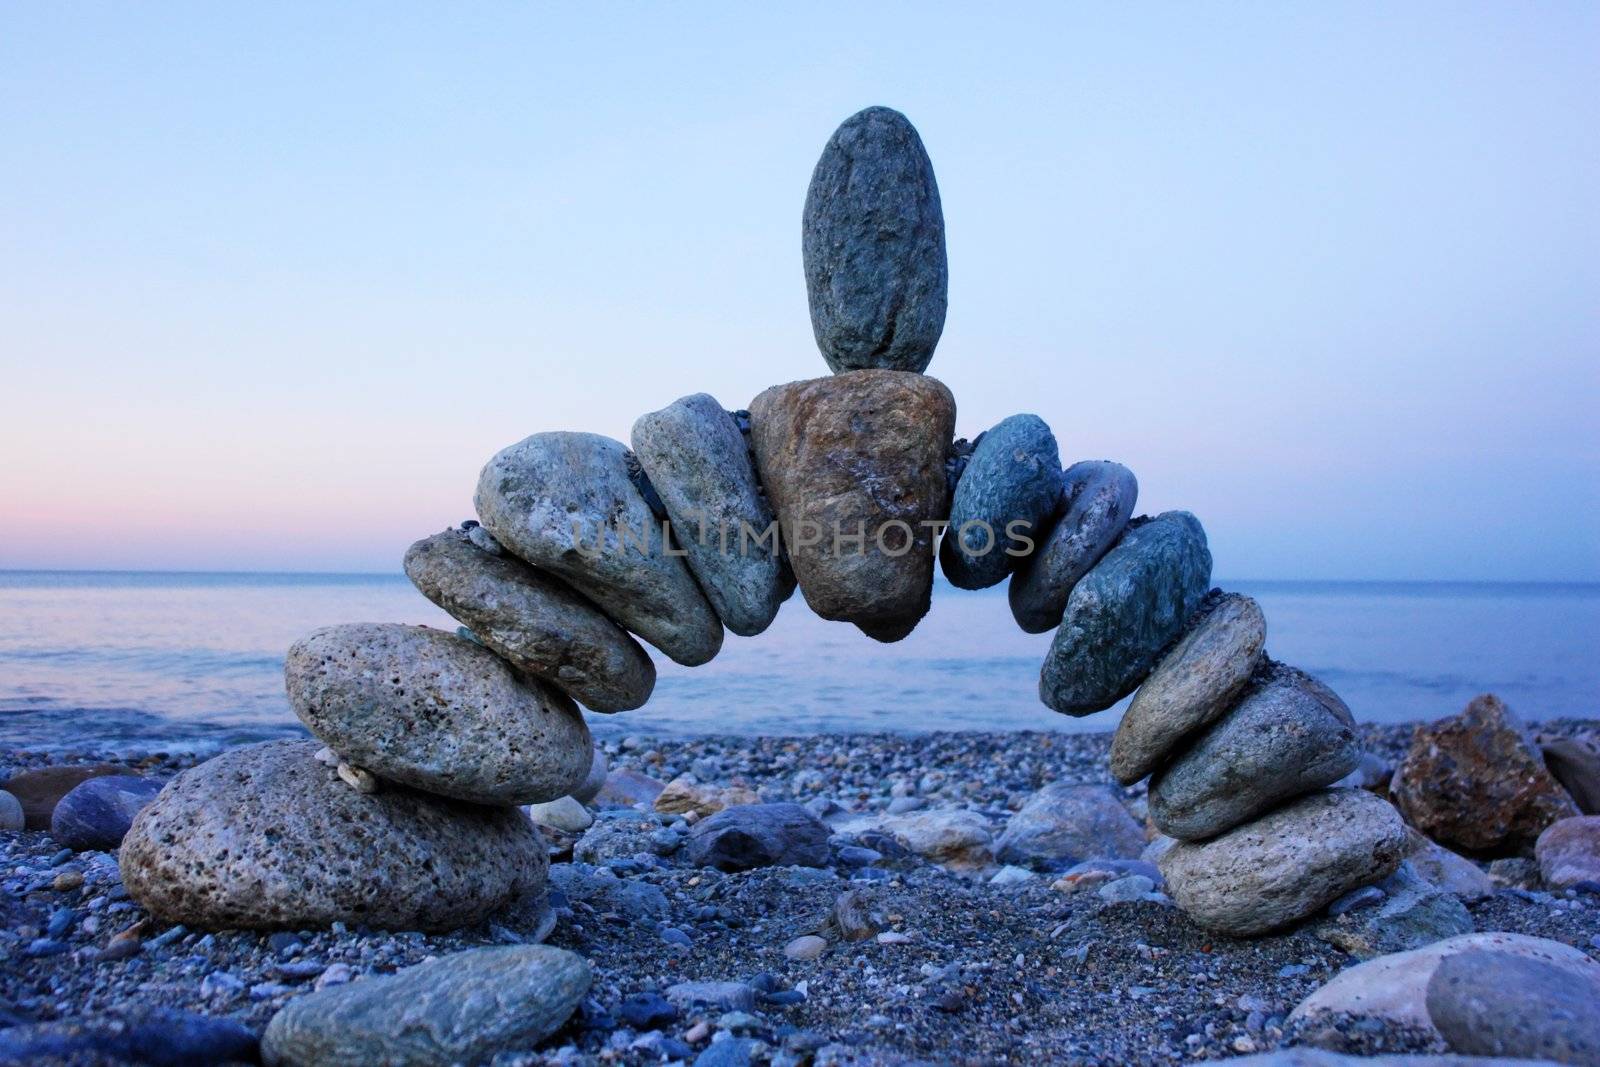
column 136, row 660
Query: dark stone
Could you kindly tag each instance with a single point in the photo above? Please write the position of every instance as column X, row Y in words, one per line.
column 1575, row 763
column 1011, row 486
column 98, row 811
column 40, row 790
column 733, row 1052
column 1124, row 613
column 160, row 1038
column 872, row 241
column 647, row 1011
column 1097, row 498
column 1498, row 1004
column 759, row 835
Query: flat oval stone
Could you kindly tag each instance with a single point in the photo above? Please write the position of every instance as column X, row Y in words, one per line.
column 872, row 242
column 1124, row 612
column 1097, row 498
column 1487, row 1003
column 264, row 836
column 98, row 812
column 1011, row 487
column 534, row 621
column 1286, row 865
column 12, row 816
column 1192, row 685
column 1287, row 734
column 565, row 503
column 701, row 468
column 426, row 709
column 461, row 1008
column 854, row 466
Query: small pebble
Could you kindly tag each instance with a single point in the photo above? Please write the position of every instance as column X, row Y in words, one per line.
column 805, row 947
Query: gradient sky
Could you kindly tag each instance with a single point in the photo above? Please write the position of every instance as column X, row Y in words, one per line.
column 275, row 280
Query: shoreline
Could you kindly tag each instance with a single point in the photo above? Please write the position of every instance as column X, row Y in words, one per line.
column 971, row 970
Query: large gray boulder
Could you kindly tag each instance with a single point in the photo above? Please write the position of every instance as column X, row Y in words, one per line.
column 1124, row 612
column 462, row 1008
column 1192, row 685
column 1288, row 734
column 1009, row 491
column 565, row 503
column 1505, row 1004
column 535, row 622
column 1286, row 865
column 872, row 244
column 265, row 836
column 1097, row 498
column 854, row 466
column 700, row 465
column 433, row 711
column 1066, row 822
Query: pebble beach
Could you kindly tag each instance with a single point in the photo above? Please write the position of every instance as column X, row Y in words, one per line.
column 916, row 960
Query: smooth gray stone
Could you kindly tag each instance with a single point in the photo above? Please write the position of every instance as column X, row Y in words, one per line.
column 97, row 813
column 1499, row 1004
column 1124, row 612
column 1097, row 498
column 426, row 709
column 1286, row 865
column 1194, row 684
column 1287, row 735
column 872, row 243
column 533, row 621
column 759, row 835
column 1011, row 486
column 1410, row 913
column 700, row 466
column 264, row 836
column 158, row 1037
column 564, row 502
column 1066, row 822
column 461, row 1008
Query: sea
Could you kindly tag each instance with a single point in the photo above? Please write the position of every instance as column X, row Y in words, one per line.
column 140, row 662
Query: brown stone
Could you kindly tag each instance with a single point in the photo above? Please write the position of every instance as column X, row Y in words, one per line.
column 860, row 452
column 1476, row 783
column 684, row 795
column 1569, row 851
column 40, row 790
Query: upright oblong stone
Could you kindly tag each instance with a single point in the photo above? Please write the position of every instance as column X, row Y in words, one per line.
column 1097, row 498
column 700, row 466
column 1287, row 735
column 533, row 621
column 427, row 709
column 265, row 836
column 854, row 465
column 1124, row 612
column 873, row 247
column 1192, row 685
column 565, row 502
column 1008, row 492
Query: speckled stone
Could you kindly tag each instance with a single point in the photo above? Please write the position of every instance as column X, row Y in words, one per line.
column 700, row 466
column 1569, row 851
column 426, row 709
column 1067, row 822
column 859, row 452
column 533, row 621
column 1192, row 685
column 872, row 244
column 11, row 813
column 1500, row 1004
column 1286, row 865
column 565, row 503
column 1124, row 612
column 265, row 836
column 98, row 812
column 1011, row 486
column 1288, row 734
column 461, row 1008
column 1097, row 498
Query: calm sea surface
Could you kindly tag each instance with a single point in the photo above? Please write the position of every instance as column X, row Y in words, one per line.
column 139, row 661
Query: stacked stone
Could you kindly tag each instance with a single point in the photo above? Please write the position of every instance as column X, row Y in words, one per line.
column 407, row 815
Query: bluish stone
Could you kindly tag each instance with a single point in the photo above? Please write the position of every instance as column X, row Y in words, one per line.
column 647, row 1011
column 97, row 813
column 161, row 1038
column 734, row 1052
column 1009, row 491
column 1124, row 612
column 1097, row 498
column 872, row 243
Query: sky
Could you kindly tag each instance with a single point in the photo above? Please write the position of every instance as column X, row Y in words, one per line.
column 277, row 280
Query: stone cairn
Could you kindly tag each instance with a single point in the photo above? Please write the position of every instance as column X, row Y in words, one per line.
column 406, row 814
